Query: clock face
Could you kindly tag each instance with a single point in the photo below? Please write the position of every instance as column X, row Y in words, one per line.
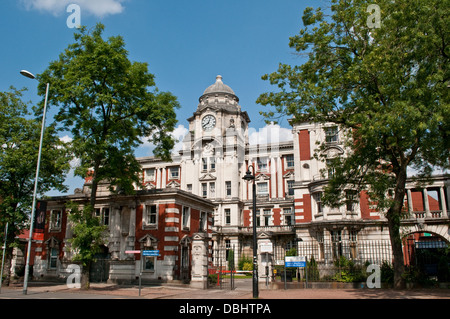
column 208, row 122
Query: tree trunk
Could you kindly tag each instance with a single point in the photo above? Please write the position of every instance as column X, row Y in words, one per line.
column 84, row 280
column 394, row 216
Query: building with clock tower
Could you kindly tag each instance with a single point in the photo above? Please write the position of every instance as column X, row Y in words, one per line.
column 200, row 197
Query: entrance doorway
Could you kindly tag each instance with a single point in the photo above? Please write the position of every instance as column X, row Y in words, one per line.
column 427, row 254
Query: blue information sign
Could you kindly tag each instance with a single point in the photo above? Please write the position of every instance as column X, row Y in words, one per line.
column 295, row 261
column 149, row 253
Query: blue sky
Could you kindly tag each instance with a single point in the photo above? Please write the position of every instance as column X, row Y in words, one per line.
column 186, row 43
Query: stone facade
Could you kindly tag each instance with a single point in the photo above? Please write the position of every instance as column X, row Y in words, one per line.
column 199, row 201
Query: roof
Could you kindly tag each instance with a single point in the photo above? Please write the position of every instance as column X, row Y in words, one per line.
column 218, row 87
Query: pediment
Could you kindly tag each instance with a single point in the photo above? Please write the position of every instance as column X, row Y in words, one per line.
column 173, row 184
column 264, row 234
column 289, row 175
column 207, row 177
column 262, row 177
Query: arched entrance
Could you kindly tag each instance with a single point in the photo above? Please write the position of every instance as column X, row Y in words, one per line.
column 427, row 254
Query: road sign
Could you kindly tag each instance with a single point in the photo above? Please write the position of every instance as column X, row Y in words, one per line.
column 148, row 253
column 132, row 251
column 295, row 261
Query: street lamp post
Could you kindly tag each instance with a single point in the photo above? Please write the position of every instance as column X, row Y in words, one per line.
column 251, row 177
column 30, row 238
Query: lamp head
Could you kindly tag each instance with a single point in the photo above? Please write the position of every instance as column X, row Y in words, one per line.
column 27, row 74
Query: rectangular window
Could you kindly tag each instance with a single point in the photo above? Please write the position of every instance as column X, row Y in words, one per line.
column 227, row 216
column 174, row 173
column 55, row 222
column 290, row 187
column 203, row 221
column 350, row 200
column 204, row 190
column 149, row 175
column 228, row 188
column 151, row 213
column 105, row 219
column 263, row 188
column 258, row 218
column 266, row 216
column 53, row 262
column 149, row 263
column 212, row 189
column 204, row 164
column 262, row 164
column 189, row 187
column 186, row 217
column 332, row 134
column 287, row 213
column 212, row 163
column 318, row 199
column 290, row 161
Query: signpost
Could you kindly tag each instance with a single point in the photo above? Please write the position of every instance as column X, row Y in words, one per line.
column 296, row 262
column 145, row 253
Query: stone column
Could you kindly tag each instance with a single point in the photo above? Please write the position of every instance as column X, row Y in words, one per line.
column 199, row 271
column 426, row 204
column 443, row 203
column 410, row 204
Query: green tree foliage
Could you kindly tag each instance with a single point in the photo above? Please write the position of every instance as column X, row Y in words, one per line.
column 387, row 89
column 19, row 148
column 109, row 105
column 105, row 101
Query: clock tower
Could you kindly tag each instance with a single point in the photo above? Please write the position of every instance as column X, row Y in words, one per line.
column 214, row 149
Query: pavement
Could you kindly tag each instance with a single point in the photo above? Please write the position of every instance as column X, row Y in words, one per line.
column 110, row 300
column 242, row 291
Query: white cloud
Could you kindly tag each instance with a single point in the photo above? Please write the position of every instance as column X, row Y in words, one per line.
column 99, row 8
column 271, row 133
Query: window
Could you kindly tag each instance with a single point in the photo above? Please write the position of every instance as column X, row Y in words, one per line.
column 105, row 218
column 331, row 169
column 290, row 161
column 212, row 189
column 55, row 221
column 205, row 190
column 203, row 221
column 318, row 199
column 103, row 215
column 257, row 218
column 228, row 188
column 263, row 188
column 189, row 187
column 151, row 214
column 350, row 200
column 204, row 164
column 290, row 187
column 332, row 134
column 149, row 174
column 149, row 263
column 287, row 213
column 262, row 164
column 174, row 174
column 227, row 216
column 186, row 217
column 53, row 259
column 266, row 216
column 212, row 163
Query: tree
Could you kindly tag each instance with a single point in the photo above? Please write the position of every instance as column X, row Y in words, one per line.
column 18, row 160
column 386, row 87
column 105, row 102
